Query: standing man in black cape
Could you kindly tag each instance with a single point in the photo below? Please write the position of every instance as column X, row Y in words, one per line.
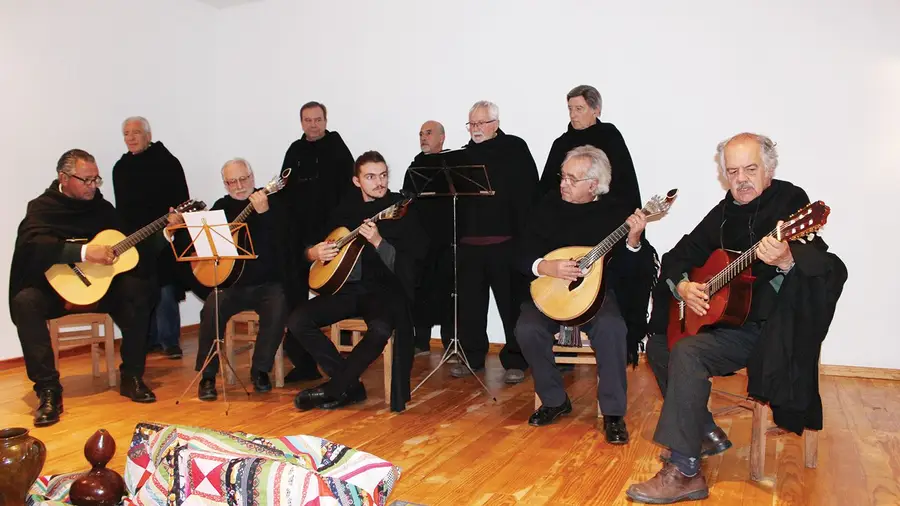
column 433, row 302
column 795, row 293
column 487, row 227
column 70, row 212
column 379, row 289
column 150, row 164
column 321, row 171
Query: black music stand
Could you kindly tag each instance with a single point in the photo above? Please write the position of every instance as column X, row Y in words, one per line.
column 188, row 255
column 452, row 181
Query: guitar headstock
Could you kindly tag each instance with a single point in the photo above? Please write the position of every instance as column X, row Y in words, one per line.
column 277, row 183
column 191, row 205
column 660, row 205
column 804, row 222
column 397, row 210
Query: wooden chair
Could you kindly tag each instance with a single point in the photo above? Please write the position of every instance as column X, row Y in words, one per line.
column 357, row 326
column 68, row 332
column 584, row 355
column 760, row 430
column 232, row 337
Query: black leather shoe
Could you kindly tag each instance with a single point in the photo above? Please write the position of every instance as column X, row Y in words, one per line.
column 260, row 381
column 310, row 398
column 207, row 390
column 353, row 395
column 714, row 443
column 173, row 352
column 616, row 431
column 546, row 414
column 136, row 390
column 49, row 408
column 296, row 375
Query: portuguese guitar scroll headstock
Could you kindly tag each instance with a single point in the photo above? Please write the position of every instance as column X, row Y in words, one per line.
column 657, row 205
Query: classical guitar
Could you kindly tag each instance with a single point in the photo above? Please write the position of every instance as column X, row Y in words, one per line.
column 729, row 281
column 230, row 269
column 576, row 302
column 329, row 277
column 84, row 283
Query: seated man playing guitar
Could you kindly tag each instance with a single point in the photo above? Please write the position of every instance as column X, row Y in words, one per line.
column 378, row 288
column 793, row 298
column 253, row 284
column 69, row 212
column 580, row 215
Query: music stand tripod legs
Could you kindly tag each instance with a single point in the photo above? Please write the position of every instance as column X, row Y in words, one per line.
column 216, row 350
column 454, row 348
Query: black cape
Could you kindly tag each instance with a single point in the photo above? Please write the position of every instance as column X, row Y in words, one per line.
column 556, row 223
column 605, row 136
column 410, row 242
column 783, row 367
column 513, row 177
column 321, row 175
column 50, row 220
column 137, row 206
column 269, row 245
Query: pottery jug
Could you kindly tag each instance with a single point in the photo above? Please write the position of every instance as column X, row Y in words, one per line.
column 21, row 460
column 100, row 486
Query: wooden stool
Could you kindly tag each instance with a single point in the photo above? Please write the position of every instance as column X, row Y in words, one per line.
column 251, row 319
column 63, row 336
column 585, row 355
column 357, row 326
column 760, row 429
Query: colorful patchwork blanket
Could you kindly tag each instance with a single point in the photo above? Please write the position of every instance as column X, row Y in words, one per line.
column 186, row 466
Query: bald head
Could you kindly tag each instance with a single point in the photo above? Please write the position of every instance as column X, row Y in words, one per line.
column 431, row 137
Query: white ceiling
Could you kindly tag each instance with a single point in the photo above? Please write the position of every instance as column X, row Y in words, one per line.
column 221, row 4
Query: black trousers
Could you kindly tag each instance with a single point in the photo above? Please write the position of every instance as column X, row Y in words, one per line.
column 380, row 310
column 607, row 333
column 269, row 303
column 683, row 377
column 129, row 302
column 433, row 304
column 483, row 269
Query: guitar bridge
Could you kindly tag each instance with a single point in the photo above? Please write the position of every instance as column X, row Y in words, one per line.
column 78, row 272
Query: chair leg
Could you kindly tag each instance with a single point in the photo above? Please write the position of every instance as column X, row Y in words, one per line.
column 357, row 337
column 388, row 368
column 537, row 401
column 336, row 335
column 229, row 352
column 810, row 448
column 95, row 350
column 279, row 366
column 109, row 337
column 758, row 441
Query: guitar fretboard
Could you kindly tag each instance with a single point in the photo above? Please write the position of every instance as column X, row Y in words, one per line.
column 129, row 242
column 604, row 247
column 737, row 266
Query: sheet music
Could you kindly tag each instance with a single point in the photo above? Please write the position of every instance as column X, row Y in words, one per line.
column 218, row 229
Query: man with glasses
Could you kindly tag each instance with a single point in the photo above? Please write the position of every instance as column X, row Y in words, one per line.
column 580, row 214
column 321, row 169
column 378, row 289
column 147, row 160
column 70, row 212
column 487, row 227
column 259, row 288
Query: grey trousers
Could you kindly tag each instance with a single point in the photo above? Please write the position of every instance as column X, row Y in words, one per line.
column 607, row 333
column 683, row 377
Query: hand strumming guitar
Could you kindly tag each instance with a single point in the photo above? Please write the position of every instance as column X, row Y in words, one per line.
column 562, row 269
column 694, row 296
column 99, row 254
column 325, row 251
column 370, row 231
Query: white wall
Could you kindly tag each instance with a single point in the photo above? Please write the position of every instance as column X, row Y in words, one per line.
column 819, row 78
column 70, row 72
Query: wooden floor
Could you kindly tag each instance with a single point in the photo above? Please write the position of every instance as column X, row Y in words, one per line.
column 458, row 447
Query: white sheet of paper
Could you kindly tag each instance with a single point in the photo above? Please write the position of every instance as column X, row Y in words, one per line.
column 218, row 229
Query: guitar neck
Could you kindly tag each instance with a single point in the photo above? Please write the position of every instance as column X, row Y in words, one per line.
column 737, row 266
column 347, row 239
column 130, row 241
column 604, row 247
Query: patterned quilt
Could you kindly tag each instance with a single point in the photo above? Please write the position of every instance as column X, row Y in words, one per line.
column 187, row 466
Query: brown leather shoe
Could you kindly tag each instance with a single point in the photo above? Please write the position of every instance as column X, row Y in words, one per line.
column 669, row 486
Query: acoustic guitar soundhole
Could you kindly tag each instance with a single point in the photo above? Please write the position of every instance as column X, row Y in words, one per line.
column 575, row 284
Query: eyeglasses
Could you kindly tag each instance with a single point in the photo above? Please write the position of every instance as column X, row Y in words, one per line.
column 97, row 181
column 571, row 180
column 234, row 182
column 478, row 124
